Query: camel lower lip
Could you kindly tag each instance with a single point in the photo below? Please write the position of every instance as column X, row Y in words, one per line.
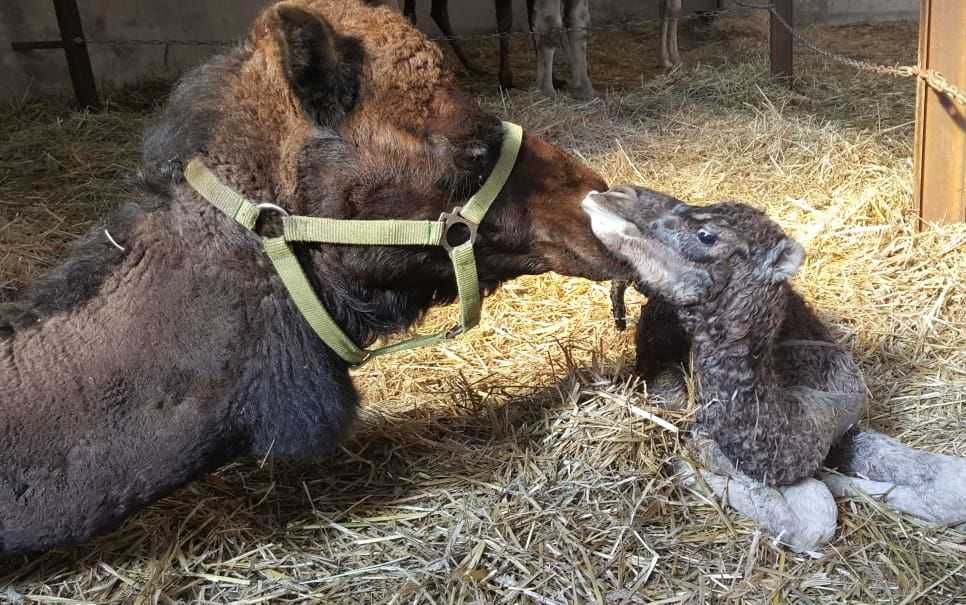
column 593, row 209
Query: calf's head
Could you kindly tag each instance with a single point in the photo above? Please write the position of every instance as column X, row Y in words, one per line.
column 710, row 256
column 336, row 108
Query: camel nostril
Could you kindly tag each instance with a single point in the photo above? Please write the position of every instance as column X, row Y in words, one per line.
column 624, row 191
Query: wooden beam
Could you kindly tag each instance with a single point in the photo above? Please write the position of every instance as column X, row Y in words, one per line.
column 75, row 49
column 42, row 45
column 940, row 141
column 780, row 41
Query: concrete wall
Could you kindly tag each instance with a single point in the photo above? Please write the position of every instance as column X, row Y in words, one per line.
column 870, row 11
column 842, row 12
column 44, row 72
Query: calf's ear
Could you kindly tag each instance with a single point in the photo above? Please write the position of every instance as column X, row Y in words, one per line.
column 321, row 68
column 785, row 259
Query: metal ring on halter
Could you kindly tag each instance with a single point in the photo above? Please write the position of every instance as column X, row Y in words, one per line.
column 450, row 220
column 273, row 208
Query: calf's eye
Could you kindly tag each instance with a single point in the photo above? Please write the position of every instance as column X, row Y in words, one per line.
column 706, row 237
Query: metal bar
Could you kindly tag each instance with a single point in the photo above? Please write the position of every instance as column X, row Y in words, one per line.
column 780, row 41
column 41, row 45
column 939, row 148
column 75, row 49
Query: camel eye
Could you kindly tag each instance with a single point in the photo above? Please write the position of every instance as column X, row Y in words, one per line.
column 706, row 237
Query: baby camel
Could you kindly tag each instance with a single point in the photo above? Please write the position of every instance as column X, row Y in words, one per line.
column 776, row 392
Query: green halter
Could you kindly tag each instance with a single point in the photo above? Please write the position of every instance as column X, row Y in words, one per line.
column 368, row 233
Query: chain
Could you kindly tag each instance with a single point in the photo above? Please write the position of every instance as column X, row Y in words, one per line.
column 933, row 78
column 939, row 83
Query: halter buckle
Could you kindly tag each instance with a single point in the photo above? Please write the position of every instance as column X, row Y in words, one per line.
column 450, row 220
column 273, row 207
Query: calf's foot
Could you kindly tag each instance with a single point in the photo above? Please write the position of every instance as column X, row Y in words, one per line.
column 925, row 485
column 803, row 516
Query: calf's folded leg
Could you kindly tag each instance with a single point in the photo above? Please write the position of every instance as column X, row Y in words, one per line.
column 801, row 516
column 929, row 486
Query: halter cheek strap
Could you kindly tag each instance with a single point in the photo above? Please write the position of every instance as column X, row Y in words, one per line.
column 369, row 233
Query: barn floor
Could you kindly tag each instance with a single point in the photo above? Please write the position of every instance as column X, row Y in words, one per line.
column 514, row 466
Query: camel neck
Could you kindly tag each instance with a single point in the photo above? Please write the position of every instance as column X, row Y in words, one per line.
column 734, row 346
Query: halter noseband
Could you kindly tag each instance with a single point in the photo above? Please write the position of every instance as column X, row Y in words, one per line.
column 368, row 233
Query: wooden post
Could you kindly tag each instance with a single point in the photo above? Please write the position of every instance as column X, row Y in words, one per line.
column 75, row 49
column 780, row 41
column 940, row 141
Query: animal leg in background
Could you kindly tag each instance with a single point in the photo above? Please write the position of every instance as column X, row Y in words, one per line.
column 670, row 16
column 577, row 22
column 504, row 25
column 440, row 13
column 618, row 309
column 547, row 27
column 662, row 343
column 504, row 22
column 923, row 484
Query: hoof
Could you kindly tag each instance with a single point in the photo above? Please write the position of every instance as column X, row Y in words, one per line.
column 583, row 94
column 926, row 485
column 506, row 81
column 802, row 517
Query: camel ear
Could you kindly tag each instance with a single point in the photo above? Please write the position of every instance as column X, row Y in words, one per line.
column 785, row 259
column 321, row 69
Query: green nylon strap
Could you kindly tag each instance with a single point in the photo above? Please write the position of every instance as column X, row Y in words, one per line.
column 220, row 196
column 467, row 285
column 367, row 233
column 475, row 208
column 290, row 272
column 408, row 232
column 298, row 286
column 361, row 232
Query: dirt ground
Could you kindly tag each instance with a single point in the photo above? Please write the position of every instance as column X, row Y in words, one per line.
column 516, row 465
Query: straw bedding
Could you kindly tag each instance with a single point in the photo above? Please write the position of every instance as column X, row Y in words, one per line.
column 522, row 464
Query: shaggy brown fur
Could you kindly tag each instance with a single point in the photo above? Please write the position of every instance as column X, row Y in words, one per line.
column 124, row 374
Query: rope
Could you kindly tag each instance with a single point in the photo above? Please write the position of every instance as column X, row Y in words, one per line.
column 931, row 77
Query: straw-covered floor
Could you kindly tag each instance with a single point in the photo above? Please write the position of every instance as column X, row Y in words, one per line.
column 521, row 464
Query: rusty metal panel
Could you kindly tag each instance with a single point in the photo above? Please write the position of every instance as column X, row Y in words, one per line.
column 940, row 141
column 75, row 49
